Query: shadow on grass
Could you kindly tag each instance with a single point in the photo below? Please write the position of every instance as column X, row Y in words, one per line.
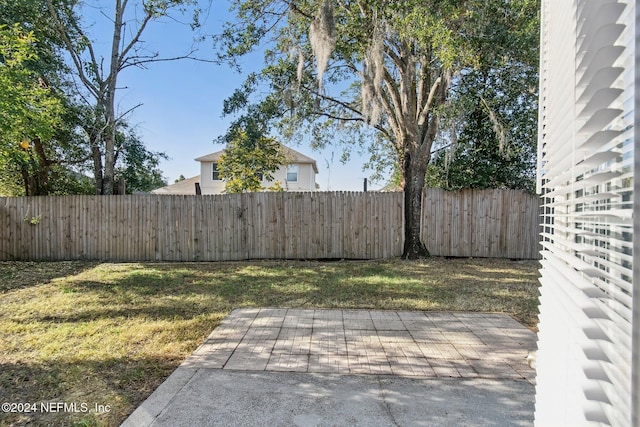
column 97, row 393
column 17, row 275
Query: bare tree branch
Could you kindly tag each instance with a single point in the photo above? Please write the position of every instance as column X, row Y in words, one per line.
column 139, row 62
column 430, row 131
column 136, row 38
column 75, row 57
column 121, row 116
column 333, row 100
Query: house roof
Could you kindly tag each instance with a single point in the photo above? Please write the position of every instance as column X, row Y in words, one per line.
column 186, row 186
column 292, row 156
column 210, row 157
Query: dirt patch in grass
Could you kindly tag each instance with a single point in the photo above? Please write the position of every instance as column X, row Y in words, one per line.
column 109, row 334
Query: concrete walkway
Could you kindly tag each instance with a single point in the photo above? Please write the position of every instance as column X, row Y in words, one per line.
column 295, row 367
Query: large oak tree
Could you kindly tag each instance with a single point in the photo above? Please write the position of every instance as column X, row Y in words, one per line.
column 340, row 67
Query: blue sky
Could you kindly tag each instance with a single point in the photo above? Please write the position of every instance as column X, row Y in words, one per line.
column 182, row 100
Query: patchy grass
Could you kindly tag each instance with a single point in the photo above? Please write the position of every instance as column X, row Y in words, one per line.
column 109, row 334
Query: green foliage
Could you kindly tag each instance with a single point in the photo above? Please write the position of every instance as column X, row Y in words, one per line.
column 66, row 181
column 462, row 37
column 248, row 160
column 276, row 187
column 32, row 115
column 37, row 108
column 494, row 107
column 139, row 167
column 486, row 157
column 476, row 162
column 140, row 170
column 28, row 107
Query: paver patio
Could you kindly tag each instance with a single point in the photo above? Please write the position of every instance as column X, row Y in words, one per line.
column 407, row 344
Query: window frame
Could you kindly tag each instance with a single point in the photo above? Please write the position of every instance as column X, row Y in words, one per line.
column 215, row 172
column 293, row 169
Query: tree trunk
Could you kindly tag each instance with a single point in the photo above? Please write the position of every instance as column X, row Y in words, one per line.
column 97, row 162
column 44, row 169
column 36, row 172
column 108, row 177
column 25, row 181
column 413, row 172
column 110, row 99
column 109, row 165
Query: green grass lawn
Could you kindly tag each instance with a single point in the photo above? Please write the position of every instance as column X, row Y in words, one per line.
column 109, row 334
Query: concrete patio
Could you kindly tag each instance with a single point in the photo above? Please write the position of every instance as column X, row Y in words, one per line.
column 351, row 367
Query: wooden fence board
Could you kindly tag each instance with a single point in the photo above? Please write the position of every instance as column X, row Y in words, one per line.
column 481, row 223
column 488, row 223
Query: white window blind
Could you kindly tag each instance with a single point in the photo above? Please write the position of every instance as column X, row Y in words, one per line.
column 586, row 178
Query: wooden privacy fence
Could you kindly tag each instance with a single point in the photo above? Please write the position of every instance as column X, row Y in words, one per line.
column 312, row 225
column 481, row 223
column 203, row 228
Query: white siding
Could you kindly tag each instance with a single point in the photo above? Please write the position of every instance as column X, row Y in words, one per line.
column 586, row 176
column 306, row 179
column 207, row 184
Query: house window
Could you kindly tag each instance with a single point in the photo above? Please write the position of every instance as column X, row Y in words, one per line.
column 215, row 173
column 292, row 173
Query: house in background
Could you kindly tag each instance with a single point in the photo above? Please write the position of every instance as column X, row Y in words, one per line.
column 298, row 174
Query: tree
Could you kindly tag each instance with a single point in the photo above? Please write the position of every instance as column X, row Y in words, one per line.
column 476, row 160
column 248, row 159
column 137, row 166
column 31, row 113
column 99, row 75
column 496, row 145
column 42, row 151
column 336, row 67
column 495, row 139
